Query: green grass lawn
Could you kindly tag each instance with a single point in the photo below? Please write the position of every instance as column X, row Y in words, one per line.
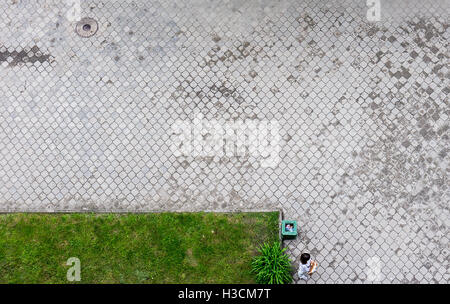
column 133, row 248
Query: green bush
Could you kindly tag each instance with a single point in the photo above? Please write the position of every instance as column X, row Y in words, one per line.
column 273, row 265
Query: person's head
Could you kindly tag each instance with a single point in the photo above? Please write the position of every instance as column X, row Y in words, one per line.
column 304, row 258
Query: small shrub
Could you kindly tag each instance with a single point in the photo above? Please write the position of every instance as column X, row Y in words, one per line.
column 273, row 265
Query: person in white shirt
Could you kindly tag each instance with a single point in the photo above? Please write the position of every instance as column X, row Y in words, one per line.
column 307, row 266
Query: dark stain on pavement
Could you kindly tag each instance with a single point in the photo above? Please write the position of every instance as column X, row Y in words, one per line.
column 23, row 56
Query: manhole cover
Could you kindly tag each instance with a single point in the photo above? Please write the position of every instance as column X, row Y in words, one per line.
column 86, row 27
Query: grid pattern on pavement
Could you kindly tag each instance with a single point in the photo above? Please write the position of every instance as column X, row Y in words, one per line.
column 86, row 124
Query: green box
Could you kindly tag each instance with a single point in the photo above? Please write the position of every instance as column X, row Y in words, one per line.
column 289, row 234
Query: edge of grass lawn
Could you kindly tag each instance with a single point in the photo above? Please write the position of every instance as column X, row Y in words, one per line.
column 198, row 247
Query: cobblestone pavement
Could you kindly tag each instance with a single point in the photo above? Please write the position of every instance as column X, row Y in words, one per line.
column 361, row 105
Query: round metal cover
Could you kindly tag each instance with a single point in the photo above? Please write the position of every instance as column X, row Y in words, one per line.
column 86, row 27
